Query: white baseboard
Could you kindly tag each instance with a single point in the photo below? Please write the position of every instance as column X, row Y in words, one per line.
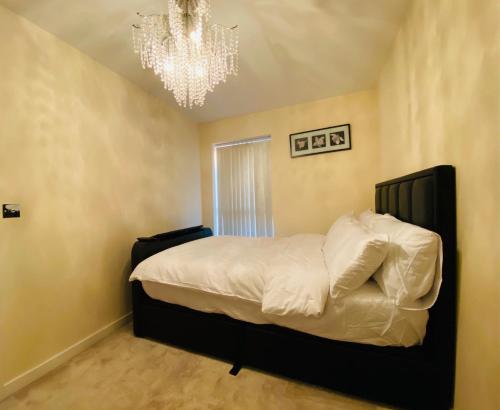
column 60, row 358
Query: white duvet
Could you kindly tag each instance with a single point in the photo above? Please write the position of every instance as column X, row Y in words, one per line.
column 285, row 276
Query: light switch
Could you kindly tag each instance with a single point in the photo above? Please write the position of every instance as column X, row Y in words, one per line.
column 11, row 210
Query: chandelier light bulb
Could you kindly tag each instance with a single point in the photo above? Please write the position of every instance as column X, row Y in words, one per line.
column 199, row 71
column 189, row 55
column 168, row 67
column 195, row 37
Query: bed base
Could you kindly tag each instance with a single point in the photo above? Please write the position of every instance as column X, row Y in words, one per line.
column 419, row 377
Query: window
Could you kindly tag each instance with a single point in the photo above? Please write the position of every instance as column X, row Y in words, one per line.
column 242, row 188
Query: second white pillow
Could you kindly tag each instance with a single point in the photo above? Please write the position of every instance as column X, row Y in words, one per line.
column 352, row 254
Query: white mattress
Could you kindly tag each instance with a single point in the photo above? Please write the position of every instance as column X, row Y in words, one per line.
column 364, row 316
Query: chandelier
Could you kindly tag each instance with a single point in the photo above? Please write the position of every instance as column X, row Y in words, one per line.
column 190, row 55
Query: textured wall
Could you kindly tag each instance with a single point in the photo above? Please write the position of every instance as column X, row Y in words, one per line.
column 94, row 163
column 308, row 193
column 439, row 103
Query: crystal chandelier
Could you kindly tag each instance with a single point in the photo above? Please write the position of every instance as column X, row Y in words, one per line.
column 190, row 55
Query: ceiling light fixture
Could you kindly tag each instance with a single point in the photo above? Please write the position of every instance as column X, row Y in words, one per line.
column 190, row 55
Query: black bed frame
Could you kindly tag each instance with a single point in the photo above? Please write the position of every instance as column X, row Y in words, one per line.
column 420, row 377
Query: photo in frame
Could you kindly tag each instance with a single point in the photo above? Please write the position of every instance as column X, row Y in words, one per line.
column 331, row 139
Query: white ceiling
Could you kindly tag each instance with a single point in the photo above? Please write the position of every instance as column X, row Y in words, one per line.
column 291, row 51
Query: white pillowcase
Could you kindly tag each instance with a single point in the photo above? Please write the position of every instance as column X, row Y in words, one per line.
column 411, row 273
column 352, row 254
column 367, row 216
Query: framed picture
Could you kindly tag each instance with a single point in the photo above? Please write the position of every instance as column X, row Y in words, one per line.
column 336, row 138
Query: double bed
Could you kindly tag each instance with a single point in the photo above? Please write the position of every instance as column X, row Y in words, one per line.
column 362, row 345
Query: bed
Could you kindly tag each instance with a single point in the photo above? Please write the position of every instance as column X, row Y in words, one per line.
column 420, row 376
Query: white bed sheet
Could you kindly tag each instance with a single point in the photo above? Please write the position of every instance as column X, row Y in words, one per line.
column 364, row 316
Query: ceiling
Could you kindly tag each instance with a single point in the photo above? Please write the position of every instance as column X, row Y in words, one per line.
column 291, row 51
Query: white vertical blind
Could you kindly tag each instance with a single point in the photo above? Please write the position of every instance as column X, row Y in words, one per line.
column 242, row 189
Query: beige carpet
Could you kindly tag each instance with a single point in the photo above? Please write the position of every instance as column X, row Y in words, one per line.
column 125, row 372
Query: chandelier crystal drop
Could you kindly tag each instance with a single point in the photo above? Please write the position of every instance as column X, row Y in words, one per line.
column 190, row 55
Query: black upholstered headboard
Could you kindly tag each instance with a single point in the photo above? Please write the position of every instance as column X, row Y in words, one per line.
column 427, row 198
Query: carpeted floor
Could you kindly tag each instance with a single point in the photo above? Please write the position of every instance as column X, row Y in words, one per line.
column 125, row 372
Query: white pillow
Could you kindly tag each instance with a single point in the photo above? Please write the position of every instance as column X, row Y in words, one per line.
column 412, row 268
column 367, row 216
column 352, row 254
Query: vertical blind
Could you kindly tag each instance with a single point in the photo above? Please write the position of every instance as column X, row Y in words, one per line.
column 242, row 188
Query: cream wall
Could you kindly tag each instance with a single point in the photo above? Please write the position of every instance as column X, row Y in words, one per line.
column 308, row 193
column 94, row 162
column 440, row 103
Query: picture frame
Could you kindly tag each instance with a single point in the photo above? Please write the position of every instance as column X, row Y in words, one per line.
column 319, row 141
